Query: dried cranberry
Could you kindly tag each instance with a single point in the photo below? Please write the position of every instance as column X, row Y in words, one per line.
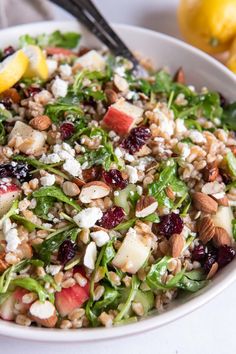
column 115, row 179
column 210, row 259
column 199, row 253
column 223, row 100
column 31, row 91
column 19, row 170
column 225, row 177
column 66, row 252
column 136, row 139
column 67, row 129
column 112, row 217
column 225, row 255
column 170, row 224
column 8, row 51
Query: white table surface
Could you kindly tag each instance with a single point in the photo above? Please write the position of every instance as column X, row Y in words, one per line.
column 209, row 330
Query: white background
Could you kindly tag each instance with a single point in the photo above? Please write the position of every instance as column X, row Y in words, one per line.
column 209, row 330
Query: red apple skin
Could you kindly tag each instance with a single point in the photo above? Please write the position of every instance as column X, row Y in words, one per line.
column 71, row 298
column 118, row 121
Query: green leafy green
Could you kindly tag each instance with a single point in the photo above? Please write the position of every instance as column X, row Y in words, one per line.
column 2, row 134
column 192, row 281
column 230, row 160
column 53, row 242
column 31, row 285
column 234, row 228
column 125, row 225
column 68, row 40
column 229, row 116
column 29, row 225
column 151, row 218
column 126, row 306
column 157, row 270
column 43, row 206
column 109, row 296
column 57, row 193
column 61, row 109
column 11, row 211
column 40, row 165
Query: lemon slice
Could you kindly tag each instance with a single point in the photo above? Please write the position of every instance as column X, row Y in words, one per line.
column 12, row 69
column 37, row 62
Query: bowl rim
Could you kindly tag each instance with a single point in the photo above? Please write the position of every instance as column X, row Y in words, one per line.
column 150, row 323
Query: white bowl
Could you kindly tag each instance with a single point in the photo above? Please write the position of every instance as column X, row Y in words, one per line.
column 201, row 70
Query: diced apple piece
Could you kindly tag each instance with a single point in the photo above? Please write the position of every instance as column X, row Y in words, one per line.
column 133, row 252
column 29, row 139
column 71, row 298
column 8, row 193
column 122, row 116
column 7, row 309
column 223, row 218
column 91, row 61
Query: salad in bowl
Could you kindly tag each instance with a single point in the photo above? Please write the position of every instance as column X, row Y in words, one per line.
column 117, row 193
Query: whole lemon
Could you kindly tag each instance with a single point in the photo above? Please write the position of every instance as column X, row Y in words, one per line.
column 208, row 24
column 231, row 62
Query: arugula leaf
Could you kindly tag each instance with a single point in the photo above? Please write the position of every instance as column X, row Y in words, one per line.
column 43, row 206
column 52, row 243
column 157, row 270
column 40, row 165
column 57, row 111
column 7, row 276
column 229, row 116
column 2, row 134
column 11, row 211
column 125, row 225
column 163, row 82
column 230, row 159
column 109, row 296
column 165, row 177
column 192, row 281
column 29, row 225
column 31, row 285
column 152, row 218
column 57, row 193
column 108, row 254
column 126, row 306
column 234, row 228
column 67, row 40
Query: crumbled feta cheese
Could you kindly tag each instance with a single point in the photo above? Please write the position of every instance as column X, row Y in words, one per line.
column 100, row 237
column 65, row 70
column 51, row 158
column 58, row 148
column 165, row 124
column 73, row 167
column 144, row 162
column 197, row 137
column 180, row 126
column 12, row 240
column 52, row 66
column 116, row 193
column 90, row 255
column 120, row 70
column 88, row 217
column 53, row 269
column 48, row 180
column 132, row 173
column 59, row 87
column 118, row 152
column 6, row 225
column 132, row 95
column 139, row 190
column 129, row 157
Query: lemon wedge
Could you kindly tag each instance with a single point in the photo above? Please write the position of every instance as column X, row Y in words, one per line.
column 12, row 69
column 37, row 62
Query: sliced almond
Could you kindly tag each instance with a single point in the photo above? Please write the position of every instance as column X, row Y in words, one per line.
column 177, row 243
column 94, row 190
column 43, row 313
column 221, row 237
column 164, row 247
column 204, row 203
column 210, row 172
column 223, row 201
column 212, row 271
column 111, row 95
column 145, row 206
column 206, row 229
column 179, row 76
